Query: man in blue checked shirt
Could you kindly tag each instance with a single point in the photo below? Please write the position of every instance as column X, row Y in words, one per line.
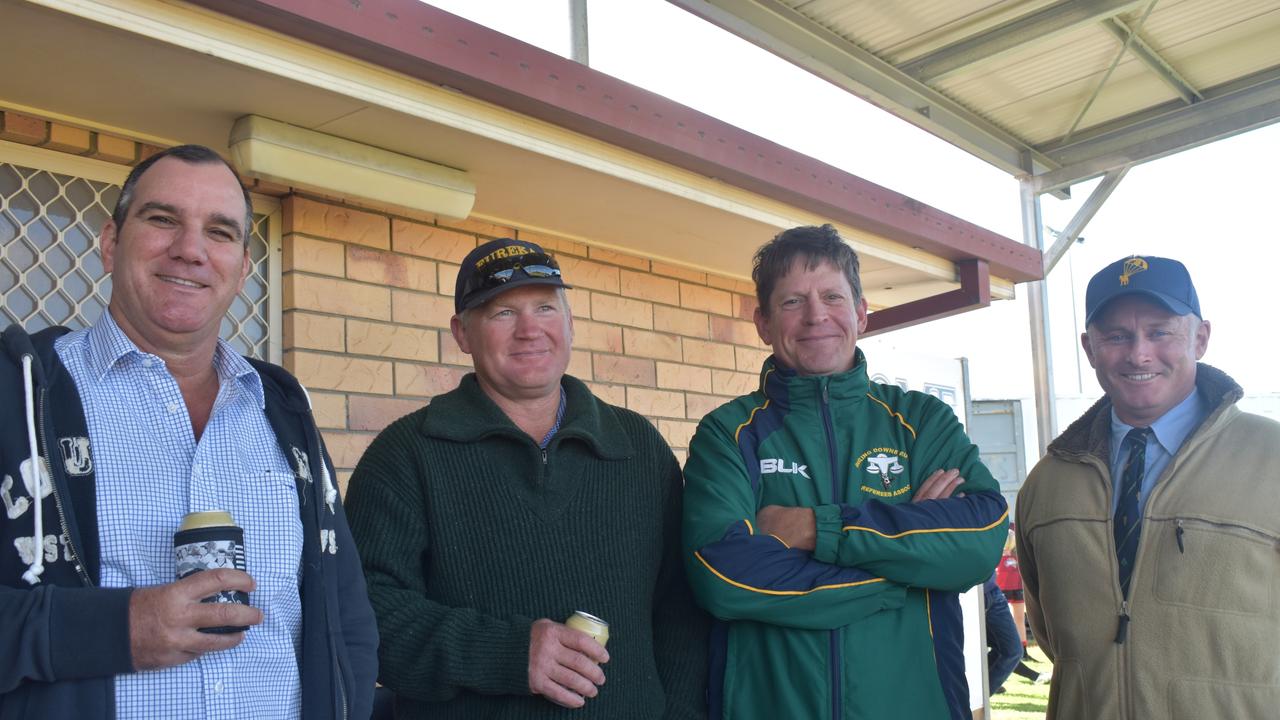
column 111, row 434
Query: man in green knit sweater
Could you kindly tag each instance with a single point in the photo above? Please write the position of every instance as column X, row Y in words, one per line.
column 488, row 517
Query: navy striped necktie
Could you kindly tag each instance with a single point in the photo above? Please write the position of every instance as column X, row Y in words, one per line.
column 1128, row 521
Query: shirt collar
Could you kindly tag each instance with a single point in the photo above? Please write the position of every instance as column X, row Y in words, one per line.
column 1169, row 430
column 546, row 439
column 108, row 345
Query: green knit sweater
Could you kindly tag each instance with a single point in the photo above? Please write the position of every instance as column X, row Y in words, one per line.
column 469, row 532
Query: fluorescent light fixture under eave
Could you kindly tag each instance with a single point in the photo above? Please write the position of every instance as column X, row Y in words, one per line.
column 297, row 157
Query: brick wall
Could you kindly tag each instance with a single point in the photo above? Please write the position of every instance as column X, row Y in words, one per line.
column 61, row 137
column 368, row 296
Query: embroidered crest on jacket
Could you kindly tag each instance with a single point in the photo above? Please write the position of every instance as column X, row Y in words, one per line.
column 885, row 463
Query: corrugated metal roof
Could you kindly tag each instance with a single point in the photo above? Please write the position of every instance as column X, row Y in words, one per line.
column 1066, row 90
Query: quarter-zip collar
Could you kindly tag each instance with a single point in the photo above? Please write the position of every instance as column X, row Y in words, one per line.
column 467, row 414
column 785, row 386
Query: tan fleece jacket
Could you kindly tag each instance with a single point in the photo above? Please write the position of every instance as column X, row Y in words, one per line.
column 1203, row 631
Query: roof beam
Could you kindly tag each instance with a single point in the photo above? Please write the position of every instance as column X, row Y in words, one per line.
column 795, row 37
column 1009, row 36
column 974, row 292
column 1153, row 60
column 1082, row 217
column 1224, row 112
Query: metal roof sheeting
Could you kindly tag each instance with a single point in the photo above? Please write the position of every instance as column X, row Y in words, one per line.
column 1038, row 77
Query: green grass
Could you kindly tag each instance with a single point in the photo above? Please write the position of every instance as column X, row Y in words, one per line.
column 1021, row 700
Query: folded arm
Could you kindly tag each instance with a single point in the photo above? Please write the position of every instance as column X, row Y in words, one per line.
column 740, row 574
column 949, row 544
column 942, row 543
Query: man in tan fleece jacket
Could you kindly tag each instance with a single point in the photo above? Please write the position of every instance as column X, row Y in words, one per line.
column 1148, row 535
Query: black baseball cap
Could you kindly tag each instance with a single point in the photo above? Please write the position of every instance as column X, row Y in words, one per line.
column 1165, row 281
column 500, row 265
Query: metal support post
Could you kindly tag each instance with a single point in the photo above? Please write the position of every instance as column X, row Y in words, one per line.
column 578, row 31
column 1038, row 301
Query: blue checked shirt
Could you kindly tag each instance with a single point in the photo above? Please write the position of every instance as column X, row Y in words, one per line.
column 150, row 472
column 546, row 439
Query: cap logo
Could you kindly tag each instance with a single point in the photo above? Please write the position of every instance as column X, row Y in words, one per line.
column 503, row 252
column 1132, row 266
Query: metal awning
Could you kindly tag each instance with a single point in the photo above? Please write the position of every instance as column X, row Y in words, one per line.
column 1061, row 91
column 1055, row 92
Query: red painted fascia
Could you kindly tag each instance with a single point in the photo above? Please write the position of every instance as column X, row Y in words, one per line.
column 435, row 46
column 974, row 292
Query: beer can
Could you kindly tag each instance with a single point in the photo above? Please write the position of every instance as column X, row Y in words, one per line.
column 585, row 622
column 207, row 541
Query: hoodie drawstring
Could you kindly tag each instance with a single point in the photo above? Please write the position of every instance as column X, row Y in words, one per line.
column 330, row 492
column 36, row 566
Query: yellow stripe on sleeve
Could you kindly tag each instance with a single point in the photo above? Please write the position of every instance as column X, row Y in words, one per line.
column 782, row 592
column 897, row 415
column 928, row 611
column 904, row 533
column 750, row 418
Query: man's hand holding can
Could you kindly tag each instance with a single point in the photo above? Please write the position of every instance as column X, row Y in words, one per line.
column 564, row 663
column 165, row 621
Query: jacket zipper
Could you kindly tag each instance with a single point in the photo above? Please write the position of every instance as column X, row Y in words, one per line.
column 342, row 687
column 1122, row 629
column 57, row 498
column 1126, row 658
column 319, row 489
column 836, row 497
column 1122, row 618
column 1233, row 529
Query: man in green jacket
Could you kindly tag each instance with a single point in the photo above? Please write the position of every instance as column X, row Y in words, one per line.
column 830, row 521
column 1148, row 534
column 487, row 518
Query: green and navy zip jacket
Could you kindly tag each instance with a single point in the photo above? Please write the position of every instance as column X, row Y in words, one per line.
column 868, row 625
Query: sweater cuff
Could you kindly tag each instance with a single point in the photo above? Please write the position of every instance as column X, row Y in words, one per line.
column 829, row 524
column 510, row 657
column 89, row 632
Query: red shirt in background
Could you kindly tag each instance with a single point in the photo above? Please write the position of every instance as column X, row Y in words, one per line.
column 1007, row 575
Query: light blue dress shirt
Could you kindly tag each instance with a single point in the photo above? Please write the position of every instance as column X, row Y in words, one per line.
column 1167, row 435
column 150, row 471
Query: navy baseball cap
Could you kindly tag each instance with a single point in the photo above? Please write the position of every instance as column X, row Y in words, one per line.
column 500, row 265
column 1165, row 281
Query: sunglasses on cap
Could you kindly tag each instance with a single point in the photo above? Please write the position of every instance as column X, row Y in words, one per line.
column 500, row 272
